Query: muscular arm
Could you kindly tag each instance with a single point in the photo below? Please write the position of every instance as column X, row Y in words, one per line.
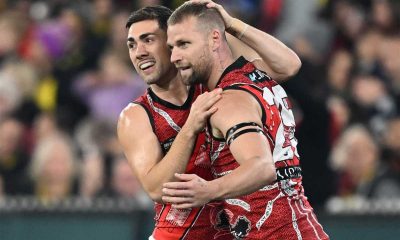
column 143, row 150
column 265, row 51
column 250, row 150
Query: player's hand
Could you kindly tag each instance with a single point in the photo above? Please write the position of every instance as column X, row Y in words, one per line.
column 202, row 109
column 192, row 191
column 228, row 19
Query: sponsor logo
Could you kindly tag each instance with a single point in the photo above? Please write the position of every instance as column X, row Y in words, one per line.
column 288, row 172
column 166, row 145
column 258, row 76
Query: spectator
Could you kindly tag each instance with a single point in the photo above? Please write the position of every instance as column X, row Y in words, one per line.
column 12, row 27
column 110, row 89
column 339, row 70
column 385, row 16
column 367, row 52
column 10, row 96
column 123, row 182
column 356, row 159
column 387, row 184
column 388, row 56
column 13, row 158
column 54, row 169
column 373, row 104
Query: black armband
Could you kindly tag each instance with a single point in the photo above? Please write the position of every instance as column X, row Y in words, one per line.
column 239, row 126
column 233, row 132
column 235, row 135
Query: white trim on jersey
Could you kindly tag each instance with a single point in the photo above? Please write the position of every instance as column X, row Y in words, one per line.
column 308, row 219
column 268, row 211
column 239, row 203
column 294, row 220
column 164, row 114
column 269, row 187
column 313, row 217
column 216, row 153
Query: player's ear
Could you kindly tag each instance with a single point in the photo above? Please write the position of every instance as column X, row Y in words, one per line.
column 216, row 39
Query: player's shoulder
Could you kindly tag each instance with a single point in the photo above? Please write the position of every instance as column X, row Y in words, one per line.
column 235, row 98
column 134, row 114
column 132, row 109
column 234, row 107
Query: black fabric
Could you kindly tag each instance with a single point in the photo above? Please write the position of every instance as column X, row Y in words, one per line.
column 236, row 135
column 239, row 126
column 167, row 104
column 238, row 64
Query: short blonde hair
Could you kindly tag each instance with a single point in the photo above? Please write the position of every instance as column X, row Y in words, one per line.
column 44, row 148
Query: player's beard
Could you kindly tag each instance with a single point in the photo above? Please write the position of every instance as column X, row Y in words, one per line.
column 201, row 70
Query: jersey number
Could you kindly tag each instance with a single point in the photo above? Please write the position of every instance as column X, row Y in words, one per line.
column 285, row 142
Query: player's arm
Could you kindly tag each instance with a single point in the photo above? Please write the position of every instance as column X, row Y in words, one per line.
column 265, row 51
column 143, row 150
column 251, row 150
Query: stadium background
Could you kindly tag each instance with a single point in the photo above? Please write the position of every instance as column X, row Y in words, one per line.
column 65, row 75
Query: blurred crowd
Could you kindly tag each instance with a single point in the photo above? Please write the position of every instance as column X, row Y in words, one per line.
column 65, row 75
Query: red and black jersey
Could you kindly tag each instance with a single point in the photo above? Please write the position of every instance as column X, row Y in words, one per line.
column 279, row 210
column 206, row 222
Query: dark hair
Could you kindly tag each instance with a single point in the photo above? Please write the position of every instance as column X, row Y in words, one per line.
column 159, row 13
column 208, row 17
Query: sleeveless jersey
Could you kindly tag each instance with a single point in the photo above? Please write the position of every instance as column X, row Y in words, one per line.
column 197, row 223
column 279, row 210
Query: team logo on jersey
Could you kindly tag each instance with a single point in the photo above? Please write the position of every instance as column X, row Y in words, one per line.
column 258, row 76
column 241, row 227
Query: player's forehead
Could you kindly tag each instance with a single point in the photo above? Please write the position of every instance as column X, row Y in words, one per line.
column 187, row 28
column 187, row 21
column 144, row 27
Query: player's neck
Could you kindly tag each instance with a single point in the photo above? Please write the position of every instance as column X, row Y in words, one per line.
column 173, row 91
column 222, row 60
